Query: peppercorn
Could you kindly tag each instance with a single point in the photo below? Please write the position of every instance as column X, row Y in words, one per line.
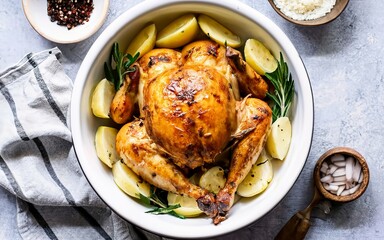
column 70, row 13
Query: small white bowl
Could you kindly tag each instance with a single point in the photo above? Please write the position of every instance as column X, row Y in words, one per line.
column 37, row 15
column 247, row 23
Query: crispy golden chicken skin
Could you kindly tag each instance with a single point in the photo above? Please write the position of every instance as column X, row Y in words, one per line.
column 250, row 82
column 205, row 53
column 228, row 62
column 122, row 105
column 190, row 112
column 148, row 67
column 211, row 54
column 154, row 63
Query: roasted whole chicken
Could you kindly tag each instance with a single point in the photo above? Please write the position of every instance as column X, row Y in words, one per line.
column 191, row 112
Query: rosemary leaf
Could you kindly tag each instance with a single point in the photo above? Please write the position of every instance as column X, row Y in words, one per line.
column 116, row 53
column 118, row 66
column 161, row 210
column 157, row 200
column 145, row 200
column 167, row 210
column 173, row 213
column 109, row 73
column 284, row 89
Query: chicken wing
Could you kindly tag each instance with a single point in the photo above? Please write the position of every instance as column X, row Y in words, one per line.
column 252, row 114
column 141, row 154
column 122, row 105
column 250, row 82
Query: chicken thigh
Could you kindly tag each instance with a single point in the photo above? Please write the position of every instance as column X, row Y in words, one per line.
column 142, row 155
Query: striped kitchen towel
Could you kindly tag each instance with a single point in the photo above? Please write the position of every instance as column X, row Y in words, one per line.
column 37, row 161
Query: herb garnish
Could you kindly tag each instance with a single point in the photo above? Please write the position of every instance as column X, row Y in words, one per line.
column 122, row 63
column 282, row 95
column 157, row 200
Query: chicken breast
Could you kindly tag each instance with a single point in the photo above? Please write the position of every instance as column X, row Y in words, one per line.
column 190, row 113
column 211, row 54
column 154, row 63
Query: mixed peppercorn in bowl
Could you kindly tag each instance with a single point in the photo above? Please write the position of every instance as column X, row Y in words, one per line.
column 66, row 21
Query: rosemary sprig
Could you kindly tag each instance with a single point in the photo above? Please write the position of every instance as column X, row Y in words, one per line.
column 159, row 204
column 119, row 65
column 282, row 95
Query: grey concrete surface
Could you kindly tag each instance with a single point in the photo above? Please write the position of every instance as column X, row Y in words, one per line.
column 344, row 60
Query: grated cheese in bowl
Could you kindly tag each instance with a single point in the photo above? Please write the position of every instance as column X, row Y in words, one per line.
column 305, row 9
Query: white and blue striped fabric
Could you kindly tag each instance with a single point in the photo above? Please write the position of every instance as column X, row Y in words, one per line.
column 37, row 162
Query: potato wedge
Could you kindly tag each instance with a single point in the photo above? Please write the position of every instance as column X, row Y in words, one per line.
column 144, row 41
column 178, row 33
column 213, row 180
column 188, row 206
column 101, row 98
column 258, row 178
column 218, row 32
column 105, row 144
column 129, row 182
column 259, row 57
column 279, row 138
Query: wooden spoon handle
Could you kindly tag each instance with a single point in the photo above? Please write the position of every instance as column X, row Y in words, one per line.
column 295, row 229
